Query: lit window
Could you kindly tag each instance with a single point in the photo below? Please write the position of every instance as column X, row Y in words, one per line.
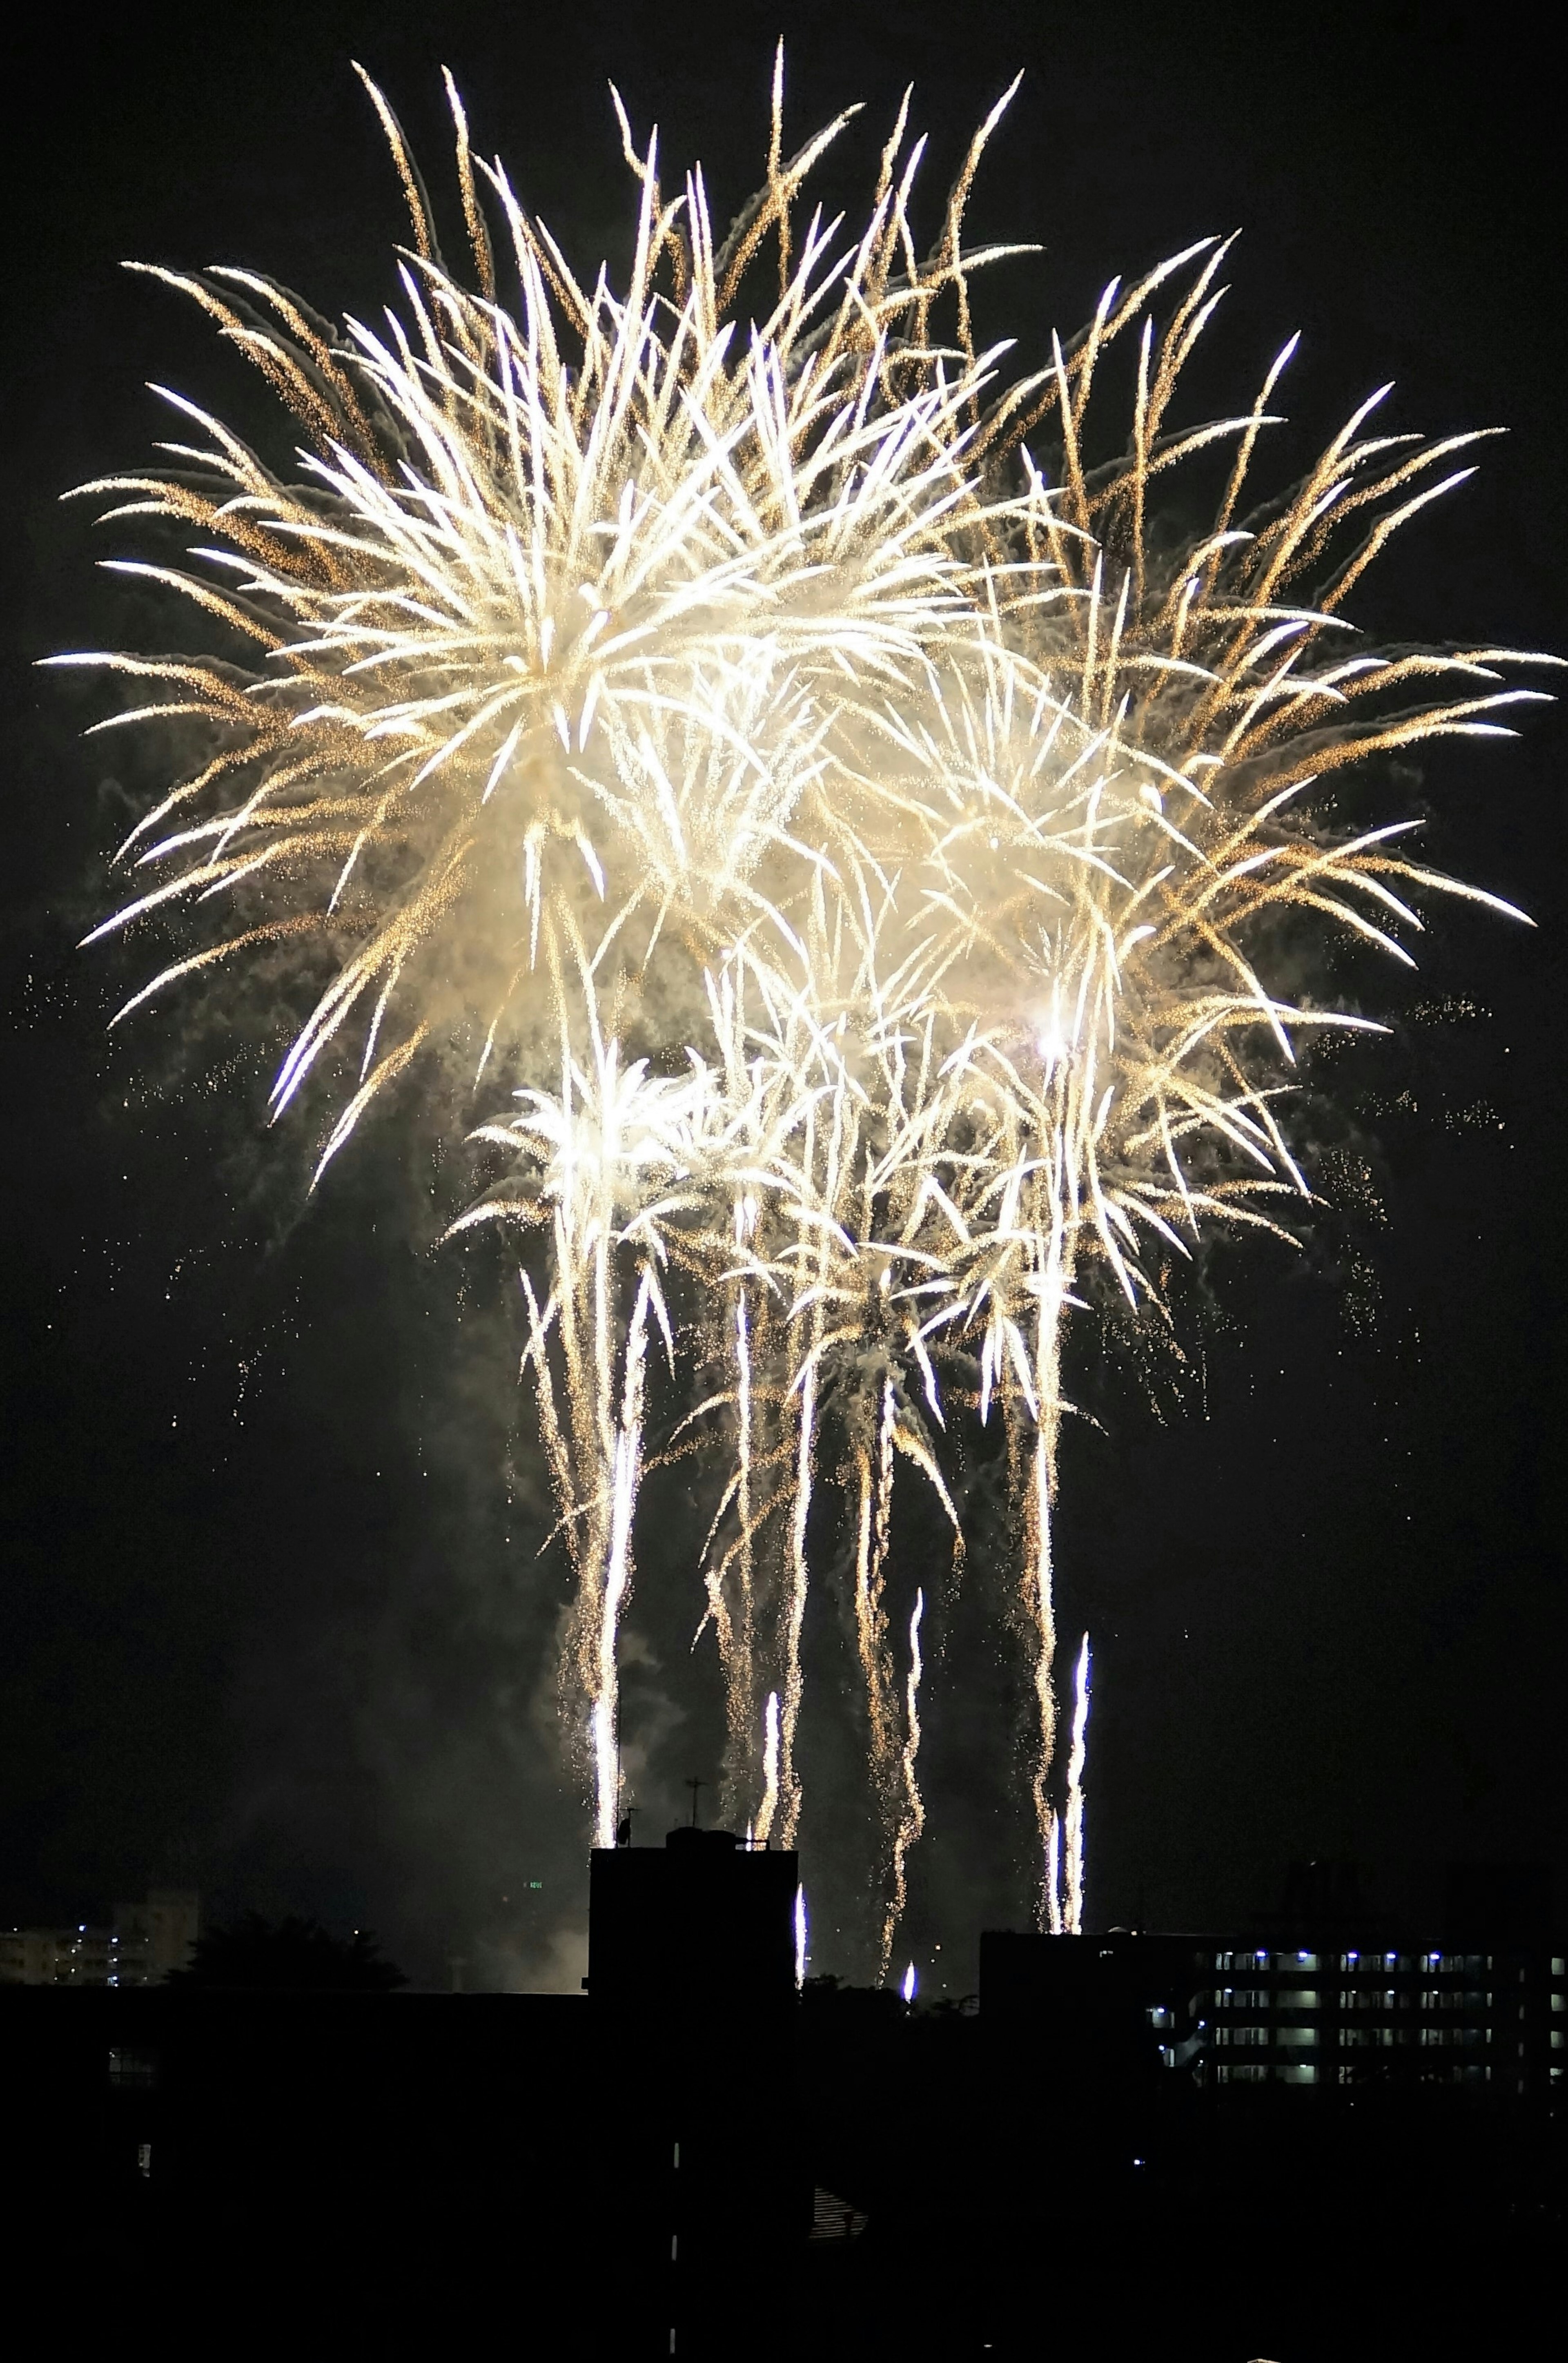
column 132, row 2070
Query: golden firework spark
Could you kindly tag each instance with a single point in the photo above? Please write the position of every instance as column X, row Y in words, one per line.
column 772, row 740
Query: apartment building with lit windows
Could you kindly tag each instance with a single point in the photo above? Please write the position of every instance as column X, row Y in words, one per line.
column 1351, row 2016
column 147, row 1942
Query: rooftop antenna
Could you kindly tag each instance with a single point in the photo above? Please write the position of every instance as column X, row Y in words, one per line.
column 694, row 1786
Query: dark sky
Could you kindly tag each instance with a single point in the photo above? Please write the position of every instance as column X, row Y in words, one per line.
column 270, row 1617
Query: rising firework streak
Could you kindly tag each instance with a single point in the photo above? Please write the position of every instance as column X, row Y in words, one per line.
column 765, row 741
column 1078, row 1753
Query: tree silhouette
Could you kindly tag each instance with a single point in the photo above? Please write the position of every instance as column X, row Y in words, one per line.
column 291, row 1955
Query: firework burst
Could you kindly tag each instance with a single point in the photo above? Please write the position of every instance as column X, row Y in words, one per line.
column 767, row 740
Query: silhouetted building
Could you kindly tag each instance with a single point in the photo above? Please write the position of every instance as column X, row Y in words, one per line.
column 373, row 2150
column 702, row 1925
column 1092, row 2050
column 1121, row 2007
column 1200, row 2120
column 624, row 2168
column 692, row 1994
column 630, row 2175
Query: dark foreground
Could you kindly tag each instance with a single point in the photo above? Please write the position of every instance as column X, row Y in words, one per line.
column 388, row 2171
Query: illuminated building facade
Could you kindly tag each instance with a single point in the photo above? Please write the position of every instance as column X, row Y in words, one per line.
column 62, row 1956
column 1111, row 2011
column 1353, row 2016
column 147, row 1942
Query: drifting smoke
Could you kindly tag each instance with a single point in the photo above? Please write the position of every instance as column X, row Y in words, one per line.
column 766, row 743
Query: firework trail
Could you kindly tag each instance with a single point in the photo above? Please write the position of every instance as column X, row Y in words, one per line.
column 1051, row 1917
column 766, row 742
column 911, row 1811
column 1073, row 1914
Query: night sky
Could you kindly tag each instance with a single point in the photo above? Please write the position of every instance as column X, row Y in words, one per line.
column 270, row 1618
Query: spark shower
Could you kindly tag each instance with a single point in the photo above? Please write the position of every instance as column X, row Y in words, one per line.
column 860, row 865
